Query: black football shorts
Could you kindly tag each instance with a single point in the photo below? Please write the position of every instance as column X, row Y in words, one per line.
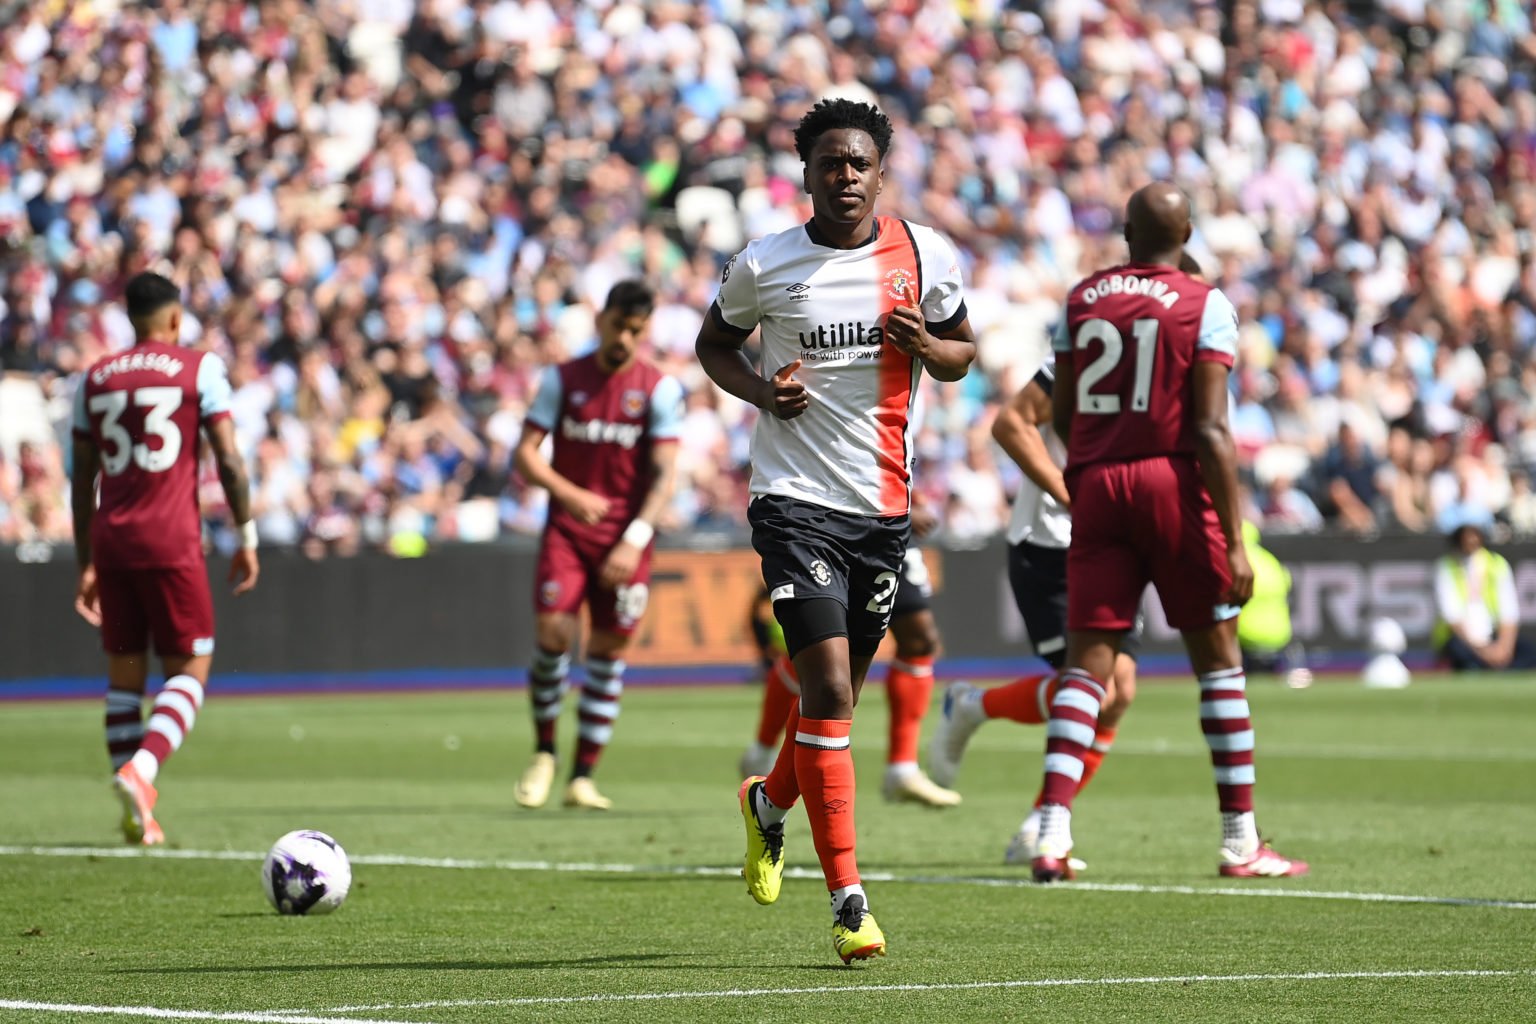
column 915, row 594
column 1038, row 576
column 811, row 552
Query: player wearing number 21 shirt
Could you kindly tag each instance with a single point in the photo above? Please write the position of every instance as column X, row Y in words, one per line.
column 1142, row 360
column 142, row 577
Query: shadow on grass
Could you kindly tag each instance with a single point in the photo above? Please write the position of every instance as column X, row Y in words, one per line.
column 612, row 961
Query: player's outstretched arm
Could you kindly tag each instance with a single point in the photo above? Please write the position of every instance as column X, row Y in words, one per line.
column 720, row 354
column 946, row 355
column 1017, row 430
column 587, row 506
column 85, row 464
column 1218, row 466
column 244, row 567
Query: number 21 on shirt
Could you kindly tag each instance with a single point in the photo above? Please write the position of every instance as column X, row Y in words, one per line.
column 1144, row 332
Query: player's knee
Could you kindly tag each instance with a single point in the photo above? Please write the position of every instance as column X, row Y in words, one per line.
column 554, row 632
column 917, row 636
column 607, row 643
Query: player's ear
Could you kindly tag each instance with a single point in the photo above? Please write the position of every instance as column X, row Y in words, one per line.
column 805, row 179
column 1189, row 229
column 173, row 323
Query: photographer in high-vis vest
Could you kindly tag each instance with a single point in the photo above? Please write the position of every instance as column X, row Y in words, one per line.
column 1479, row 614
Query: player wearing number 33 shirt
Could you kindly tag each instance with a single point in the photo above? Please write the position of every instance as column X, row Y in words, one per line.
column 136, row 423
column 851, row 307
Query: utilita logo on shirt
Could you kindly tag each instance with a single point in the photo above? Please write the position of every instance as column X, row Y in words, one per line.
column 625, row 435
column 848, row 335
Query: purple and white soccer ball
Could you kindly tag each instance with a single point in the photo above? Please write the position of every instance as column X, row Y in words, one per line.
column 306, row 872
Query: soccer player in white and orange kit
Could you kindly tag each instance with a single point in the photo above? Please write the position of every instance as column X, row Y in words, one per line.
column 852, row 307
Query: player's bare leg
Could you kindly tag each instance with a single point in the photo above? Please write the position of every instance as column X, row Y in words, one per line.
column 171, row 717
column 597, row 710
column 554, row 633
column 781, row 692
column 1227, row 725
column 909, row 690
column 1090, row 661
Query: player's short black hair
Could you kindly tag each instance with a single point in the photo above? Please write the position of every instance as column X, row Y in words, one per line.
column 631, row 298
column 147, row 294
column 836, row 114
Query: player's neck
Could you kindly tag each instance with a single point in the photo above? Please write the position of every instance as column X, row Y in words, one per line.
column 842, row 236
column 153, row 339
column 1157, row 259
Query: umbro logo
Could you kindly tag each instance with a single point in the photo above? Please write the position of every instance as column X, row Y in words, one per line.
column 835, row 806
column 799, row 292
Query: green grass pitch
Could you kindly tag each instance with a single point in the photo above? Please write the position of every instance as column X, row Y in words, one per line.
column 1425, row 792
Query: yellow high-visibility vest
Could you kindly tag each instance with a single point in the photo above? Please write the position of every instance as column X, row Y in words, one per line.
column 1494, row 569
column 1265, row 622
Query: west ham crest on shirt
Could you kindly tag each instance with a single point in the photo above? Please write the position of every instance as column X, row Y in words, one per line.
column 633, row 403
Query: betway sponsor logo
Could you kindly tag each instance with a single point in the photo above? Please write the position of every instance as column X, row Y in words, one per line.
column 157, row 361
column 625, row 435
column 1120, row 284
column 849, row 335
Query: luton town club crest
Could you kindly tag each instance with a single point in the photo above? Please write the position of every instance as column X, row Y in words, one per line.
column 896, row 282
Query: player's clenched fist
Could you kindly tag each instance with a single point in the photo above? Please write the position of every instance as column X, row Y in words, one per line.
column 1241, row 588
column 589, row 507
column 904, row 327
column 788, row 398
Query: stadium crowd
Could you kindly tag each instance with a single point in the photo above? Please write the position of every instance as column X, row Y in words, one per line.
column 389, row 216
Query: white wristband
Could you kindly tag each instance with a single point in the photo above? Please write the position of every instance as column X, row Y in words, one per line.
column 639, row 533
column 248, row 535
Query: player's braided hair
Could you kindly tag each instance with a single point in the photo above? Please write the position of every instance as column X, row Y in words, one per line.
column 836, row 114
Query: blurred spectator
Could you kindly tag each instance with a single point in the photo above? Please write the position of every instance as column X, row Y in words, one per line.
column 388, row 218
column 1349, row 470
column 1286, row 509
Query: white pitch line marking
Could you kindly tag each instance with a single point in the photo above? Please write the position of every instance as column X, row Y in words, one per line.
column 162, row 1013
column 961, row 986
column 714, row 871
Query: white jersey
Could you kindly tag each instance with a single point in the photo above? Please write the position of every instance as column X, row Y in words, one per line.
column 850, row 450
column 1038, row 518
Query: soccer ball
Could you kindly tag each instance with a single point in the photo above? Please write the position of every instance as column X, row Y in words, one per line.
column 306, row 872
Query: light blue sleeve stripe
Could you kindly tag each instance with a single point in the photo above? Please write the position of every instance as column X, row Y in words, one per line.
column 213, row 391
column 667, row 410
column 545, row 409
column 1218, row 327
column 1059, row 340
